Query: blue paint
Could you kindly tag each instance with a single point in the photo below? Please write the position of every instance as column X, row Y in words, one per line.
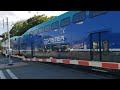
column 77, row 33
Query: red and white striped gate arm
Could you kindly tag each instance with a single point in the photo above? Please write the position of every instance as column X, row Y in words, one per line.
column 110, row 65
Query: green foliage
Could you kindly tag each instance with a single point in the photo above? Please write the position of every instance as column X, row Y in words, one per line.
column 18, row 28
column 5, row 34
column 0, row 45
column 22, row 26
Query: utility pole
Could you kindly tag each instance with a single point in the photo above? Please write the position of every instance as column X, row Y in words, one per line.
column 8, row 34
column 9, row 50
column 3, row 23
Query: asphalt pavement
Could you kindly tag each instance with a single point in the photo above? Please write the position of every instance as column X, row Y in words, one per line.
column 38, row 70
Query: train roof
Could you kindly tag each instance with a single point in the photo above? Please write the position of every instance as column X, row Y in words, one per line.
column 15, row 37
column 69, row 13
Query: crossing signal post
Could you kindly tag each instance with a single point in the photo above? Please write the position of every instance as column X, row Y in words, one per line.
column 9, row 50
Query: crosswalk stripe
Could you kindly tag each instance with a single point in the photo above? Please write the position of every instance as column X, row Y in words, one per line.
column 2, row 76
column 11, row 74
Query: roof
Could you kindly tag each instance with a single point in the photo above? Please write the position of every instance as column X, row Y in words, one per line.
column 69, row 13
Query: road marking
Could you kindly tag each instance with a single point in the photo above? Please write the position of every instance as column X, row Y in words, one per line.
column 90, row 74
column 2, row 76
column 99, row 70
column 11, row 74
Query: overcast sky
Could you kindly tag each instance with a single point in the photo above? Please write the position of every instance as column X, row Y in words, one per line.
column 14, row 16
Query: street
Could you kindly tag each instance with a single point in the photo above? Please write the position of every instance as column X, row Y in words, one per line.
column 38, row 70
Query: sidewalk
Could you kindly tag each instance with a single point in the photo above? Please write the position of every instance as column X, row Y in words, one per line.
column 4, row 66
column 5, row 60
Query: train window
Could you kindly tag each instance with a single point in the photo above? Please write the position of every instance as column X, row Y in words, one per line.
column 96, row 13
column 35, row 32
column 31, row 33
column 105, row 47
column 40, row 49
column 47, row 48
column 47, row 28
column 55, row 25
column 79, row 17
column 15, row 46
column 81, row 46
column 65, row 22
column 40, row 30
column 24, row 44
column 78, row 46
column 55, row 48
column 95, row 47
column 65, row 48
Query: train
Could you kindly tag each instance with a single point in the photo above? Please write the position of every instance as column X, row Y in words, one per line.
column 75, row 35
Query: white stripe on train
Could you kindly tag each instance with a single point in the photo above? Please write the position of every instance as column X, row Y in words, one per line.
column 117, row 49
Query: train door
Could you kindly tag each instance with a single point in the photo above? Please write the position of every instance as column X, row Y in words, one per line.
column 99, row 46
column 95, row 46
column 106, row 54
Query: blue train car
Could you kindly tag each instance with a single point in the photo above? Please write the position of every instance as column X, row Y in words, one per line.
column 75, row 35
column 14, row 45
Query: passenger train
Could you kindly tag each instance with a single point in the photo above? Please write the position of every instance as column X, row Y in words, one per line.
column 74, row 35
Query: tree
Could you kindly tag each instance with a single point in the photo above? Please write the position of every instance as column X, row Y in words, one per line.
column 51, row 17
column 17, row 28
column 0, row 45
column 22, row 26
column 5, row 36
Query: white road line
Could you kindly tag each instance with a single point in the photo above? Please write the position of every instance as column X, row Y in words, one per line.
column 2, row 76
column 99, row 70
column 11, row 74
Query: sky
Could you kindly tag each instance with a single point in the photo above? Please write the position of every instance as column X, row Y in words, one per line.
column 14, row 16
